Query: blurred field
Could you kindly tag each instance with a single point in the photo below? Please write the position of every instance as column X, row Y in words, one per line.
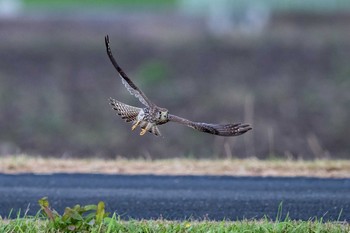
column 231, row 167
column 290, row 81
column 68, row 3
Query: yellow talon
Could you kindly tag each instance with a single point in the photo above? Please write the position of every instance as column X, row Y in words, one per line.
column 135, row 125
column 143, row 131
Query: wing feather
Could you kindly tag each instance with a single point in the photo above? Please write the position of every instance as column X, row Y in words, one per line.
column 130, row 86
column 127, row 112
column 216, row 129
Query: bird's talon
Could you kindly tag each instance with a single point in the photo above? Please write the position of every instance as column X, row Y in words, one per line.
column 143, row 131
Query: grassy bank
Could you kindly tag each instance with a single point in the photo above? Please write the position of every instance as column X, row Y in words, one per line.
column 115, row 225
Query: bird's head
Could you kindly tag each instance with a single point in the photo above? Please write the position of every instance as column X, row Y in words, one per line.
column 162, row 115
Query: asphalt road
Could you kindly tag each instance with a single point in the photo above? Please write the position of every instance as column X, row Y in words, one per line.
column 181, row 197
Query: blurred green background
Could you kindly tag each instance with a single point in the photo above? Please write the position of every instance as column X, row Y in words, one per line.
column 280, row 65
column 97, row 2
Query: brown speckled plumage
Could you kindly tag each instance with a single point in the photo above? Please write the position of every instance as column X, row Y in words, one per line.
column 151, row 115
column 127, row 112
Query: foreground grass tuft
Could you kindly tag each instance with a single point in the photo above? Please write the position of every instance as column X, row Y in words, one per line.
column 93, row 218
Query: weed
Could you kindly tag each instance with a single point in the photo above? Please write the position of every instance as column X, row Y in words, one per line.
column 75, row 219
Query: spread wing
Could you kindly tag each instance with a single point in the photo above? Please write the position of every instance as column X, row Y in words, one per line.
column 127, row 112
column 217, row 129
column 130, row 86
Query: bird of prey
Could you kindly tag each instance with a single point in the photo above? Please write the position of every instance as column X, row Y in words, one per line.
column 150, row 116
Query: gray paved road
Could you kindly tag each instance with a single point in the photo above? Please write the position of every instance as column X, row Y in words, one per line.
column 181, row 197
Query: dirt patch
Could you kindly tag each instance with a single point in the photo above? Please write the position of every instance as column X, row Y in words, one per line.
column 234, row 167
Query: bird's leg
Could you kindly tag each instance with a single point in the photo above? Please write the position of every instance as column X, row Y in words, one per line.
column 135, row 125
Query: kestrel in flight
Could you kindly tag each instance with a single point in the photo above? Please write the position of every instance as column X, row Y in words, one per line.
column 150, row 116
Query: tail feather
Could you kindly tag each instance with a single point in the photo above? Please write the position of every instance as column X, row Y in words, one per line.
column 127, row 112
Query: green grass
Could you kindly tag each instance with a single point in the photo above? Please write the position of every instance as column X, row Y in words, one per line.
column 36, row 224
column 67, row 3
column 93, row 218
column 300, row 5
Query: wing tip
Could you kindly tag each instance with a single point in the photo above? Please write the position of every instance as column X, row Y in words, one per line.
column 242, row 128
column 107, row 40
